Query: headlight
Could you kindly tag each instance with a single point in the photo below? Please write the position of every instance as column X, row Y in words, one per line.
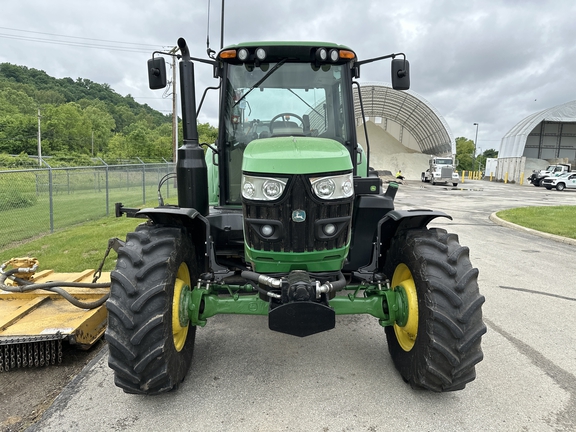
column 333, row 187
column 262, row 188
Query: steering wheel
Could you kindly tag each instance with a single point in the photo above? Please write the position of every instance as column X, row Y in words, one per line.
column 283, row 115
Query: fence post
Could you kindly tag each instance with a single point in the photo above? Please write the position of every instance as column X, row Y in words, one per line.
column 167, row 182
column 50, row 196
column 107, row 189
column 143, row 180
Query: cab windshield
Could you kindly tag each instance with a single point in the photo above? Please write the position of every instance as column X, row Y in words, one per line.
column 280, row 99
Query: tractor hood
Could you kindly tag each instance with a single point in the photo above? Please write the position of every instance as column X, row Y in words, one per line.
column 295, row 155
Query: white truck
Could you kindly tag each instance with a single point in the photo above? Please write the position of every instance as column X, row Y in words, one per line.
column 563, row 181
column 441, row 170
column 551, row 171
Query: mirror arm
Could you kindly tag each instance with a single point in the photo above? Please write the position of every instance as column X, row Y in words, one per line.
column 392, row 56
column 178, row 56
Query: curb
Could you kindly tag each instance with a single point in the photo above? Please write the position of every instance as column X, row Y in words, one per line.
column 554, row 237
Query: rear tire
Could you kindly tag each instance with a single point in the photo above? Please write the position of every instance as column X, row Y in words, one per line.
column 150, row 352
column 439, row 345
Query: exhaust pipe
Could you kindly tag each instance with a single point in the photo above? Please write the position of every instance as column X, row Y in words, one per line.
column 191, row 170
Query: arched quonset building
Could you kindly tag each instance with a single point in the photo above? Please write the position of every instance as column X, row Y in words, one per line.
column 548, row 134
column 407, row 116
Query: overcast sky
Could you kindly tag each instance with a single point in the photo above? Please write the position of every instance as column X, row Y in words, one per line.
column 487, row 61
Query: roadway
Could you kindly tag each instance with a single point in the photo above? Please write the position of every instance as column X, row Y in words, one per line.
column 247, row 378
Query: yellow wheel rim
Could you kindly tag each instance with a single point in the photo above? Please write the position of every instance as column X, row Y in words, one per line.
column 406, row 334
column 182, row 283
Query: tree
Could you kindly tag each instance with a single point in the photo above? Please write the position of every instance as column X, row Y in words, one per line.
column 207, row 133
column 464, row 154
column 102, row 127
column 67, row 129
column 18, row 122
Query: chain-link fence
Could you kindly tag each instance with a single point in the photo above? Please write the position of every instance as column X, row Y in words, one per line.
column 38, row 201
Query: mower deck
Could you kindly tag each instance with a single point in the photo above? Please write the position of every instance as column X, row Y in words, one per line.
column 33, row 324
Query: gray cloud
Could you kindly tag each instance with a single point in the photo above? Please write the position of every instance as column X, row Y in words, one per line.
column 492, row 62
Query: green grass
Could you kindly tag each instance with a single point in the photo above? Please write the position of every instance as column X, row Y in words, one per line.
column 78, row 196
column 76, row 248
column 558, row 220
column 20, row 224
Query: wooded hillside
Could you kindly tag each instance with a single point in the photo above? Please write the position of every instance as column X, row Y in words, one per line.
column 79, row 118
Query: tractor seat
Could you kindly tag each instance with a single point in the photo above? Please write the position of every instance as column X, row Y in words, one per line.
column 285, row 128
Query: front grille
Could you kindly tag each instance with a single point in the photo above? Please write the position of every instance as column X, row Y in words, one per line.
column 293, row 236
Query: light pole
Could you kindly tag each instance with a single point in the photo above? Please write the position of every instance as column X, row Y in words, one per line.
column 475, row 141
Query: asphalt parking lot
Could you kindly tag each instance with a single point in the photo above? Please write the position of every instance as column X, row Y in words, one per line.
column 247, row 378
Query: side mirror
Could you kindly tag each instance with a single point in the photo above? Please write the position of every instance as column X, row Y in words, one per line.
column 156, row 73
column 400, row 74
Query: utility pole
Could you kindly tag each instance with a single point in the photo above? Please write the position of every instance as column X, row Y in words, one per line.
column 39, row 140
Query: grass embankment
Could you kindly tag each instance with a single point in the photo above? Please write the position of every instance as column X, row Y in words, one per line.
column 558, row 220
column 76, row 248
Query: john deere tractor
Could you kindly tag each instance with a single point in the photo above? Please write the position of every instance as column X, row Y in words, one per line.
column 283, row 217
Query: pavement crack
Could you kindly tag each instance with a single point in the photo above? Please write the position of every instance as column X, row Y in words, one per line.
column 565, row 419
column 538, row 292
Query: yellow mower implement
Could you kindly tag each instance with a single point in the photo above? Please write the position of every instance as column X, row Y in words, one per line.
column 35, row 322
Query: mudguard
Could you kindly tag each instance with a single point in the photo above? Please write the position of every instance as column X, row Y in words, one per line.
column 388, row 226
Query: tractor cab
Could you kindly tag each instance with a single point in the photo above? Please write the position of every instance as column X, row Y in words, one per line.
column 271, row 91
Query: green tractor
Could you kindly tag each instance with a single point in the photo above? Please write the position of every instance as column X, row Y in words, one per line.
column 283, row 217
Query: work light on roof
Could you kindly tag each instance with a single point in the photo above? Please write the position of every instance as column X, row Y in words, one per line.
column 243, row 54
column 261, row 53
column 334, row 55
column 321, row 54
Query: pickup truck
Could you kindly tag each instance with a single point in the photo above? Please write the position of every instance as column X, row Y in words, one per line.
column 551, row 171
column 563, row 181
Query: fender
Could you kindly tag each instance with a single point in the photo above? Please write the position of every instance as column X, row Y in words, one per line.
column 394, row 222
column 193, row 220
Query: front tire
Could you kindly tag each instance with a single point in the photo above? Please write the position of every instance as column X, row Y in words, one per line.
column 560, row 187
column 151, row 341
column 438, row 346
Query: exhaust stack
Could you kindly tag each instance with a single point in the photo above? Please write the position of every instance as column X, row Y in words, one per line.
column 191, row 169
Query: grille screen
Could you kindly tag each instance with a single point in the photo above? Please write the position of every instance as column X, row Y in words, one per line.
column 297, row 236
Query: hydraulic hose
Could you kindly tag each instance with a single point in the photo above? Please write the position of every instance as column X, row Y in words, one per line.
column 337, row 285
column 24, row 286
column 265, row 280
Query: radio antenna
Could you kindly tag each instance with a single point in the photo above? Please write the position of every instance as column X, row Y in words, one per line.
column 222, row 27
column 209, row 51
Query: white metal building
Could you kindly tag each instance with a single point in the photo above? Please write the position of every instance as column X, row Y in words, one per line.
column 548, row 134
column 407, row 116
